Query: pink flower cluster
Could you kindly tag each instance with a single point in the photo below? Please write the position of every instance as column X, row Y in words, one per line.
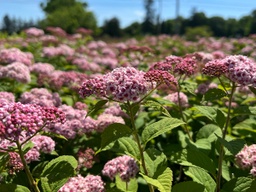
column 16, row 118
column 17, row 71
column 122, row 84
column 124, row 165
column 42, row 68
column 62, row 50
column 246, row 158
column 90, row 183
column 75, row 124
column 237, row 68
column 34, row 32
column 11, row 55
column 6, row 97
column 204, row 87
column 173, row 97
column 41, row 144
column 104, row 120
column 86, row 158
column 40, row 96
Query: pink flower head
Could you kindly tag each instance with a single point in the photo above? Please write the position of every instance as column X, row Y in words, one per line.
column 7, row 97
column 105, row 120
column 124, row 165
column 90, row 183
column 34, row 32
column 11, row 55
column 40, row 96
column 240, row 69
column 122, row 84
column 16, row 118
column 43, row 143
column 86, row 158
column 42, row 68
column 246, row 158
column 215, row 68
column 187, row 66
column 17, row 71
column 160, row 77
column 175, row 99
column 204, row 87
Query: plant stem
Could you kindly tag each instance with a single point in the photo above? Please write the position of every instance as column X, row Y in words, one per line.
column 182, row 115
column 28, row 173
column 136, row 137
column 224, row 133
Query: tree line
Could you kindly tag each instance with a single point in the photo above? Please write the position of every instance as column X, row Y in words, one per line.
column 74, row 14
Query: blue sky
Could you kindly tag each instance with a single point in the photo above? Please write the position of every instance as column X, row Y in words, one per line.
column 129, row 11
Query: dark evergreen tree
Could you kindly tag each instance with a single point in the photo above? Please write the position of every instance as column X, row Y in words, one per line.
column 112, row 27
column 148, row 23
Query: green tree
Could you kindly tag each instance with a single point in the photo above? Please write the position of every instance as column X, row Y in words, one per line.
column 112, row 27
column 148, row 23
column 133, row 30
column 68, row 14
column 217, row 26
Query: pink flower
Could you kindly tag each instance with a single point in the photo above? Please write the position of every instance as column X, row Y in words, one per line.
column 34, row 32
column 124, row 165
column 90, row 183
column 17, row 71
column 42, row 68
column 175, row 99
column 40, row 96
column 16, row 118
column 11, row 55
column 105, row 120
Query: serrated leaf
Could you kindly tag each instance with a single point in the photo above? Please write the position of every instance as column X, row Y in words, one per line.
column 214, row 94
column 13, row 188
column 45, row 185
column 240, row 184
column 54, row 173
column 29, row 145
column 155, row 129
column 114, row 132
column 189, row 186
column 131, row 186
column 193, row 158
column 189, row 87
column 97, row 107
column 209, row 112
column 201, row 176
column 245, row 110
column 163, row 182
column 155, row 161
column 124, row 145
column 158, row 106
column 234, row 146
column 253, row 89
column 206, row 131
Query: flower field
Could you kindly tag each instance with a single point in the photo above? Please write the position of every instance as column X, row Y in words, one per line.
column 159, row 113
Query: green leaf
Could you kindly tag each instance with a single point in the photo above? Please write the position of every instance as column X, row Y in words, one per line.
column 131, row 186
column 163, row 182
column 194, row 158
column 4, row 159
column 188, row 186
column 51, row 134
column 124, row 145
column 252, row 89
column 97, row 107
column 189, row 86
column 240, row 184
column 58, row 171
column 155, row 129
column 158, row 107
column 209, row 112
column 156, row 162
column 68, row 100
column 45, row 184
column 200, row 176
column 114, row 132
column 234, row 146
column 29, row 145
column 37, row 171
column 209, row 132
column 214, row 94
column 13, row 188
column 245, row 110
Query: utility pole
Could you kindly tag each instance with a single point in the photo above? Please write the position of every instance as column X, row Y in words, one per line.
column 177, row 24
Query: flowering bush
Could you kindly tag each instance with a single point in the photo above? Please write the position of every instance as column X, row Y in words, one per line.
column 156, row 114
